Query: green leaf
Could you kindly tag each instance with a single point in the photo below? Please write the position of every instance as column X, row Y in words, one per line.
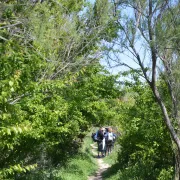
column 11, row 83
column 8, row 131
column 12, row 89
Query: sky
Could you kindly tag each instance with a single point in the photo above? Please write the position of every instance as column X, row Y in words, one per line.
column 126, row 56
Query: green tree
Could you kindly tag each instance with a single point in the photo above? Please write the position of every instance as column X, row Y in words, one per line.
column 146, row 151
column 148, row 33
column 44, row 107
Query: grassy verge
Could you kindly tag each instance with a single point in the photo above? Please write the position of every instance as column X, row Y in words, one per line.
column 112, row 173
column 111, row 159
column 80, row 166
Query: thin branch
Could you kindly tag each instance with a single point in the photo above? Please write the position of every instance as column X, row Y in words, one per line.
column 10, row 25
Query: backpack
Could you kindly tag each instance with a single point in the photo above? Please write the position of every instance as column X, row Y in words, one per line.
column 100, row 136
column 110, row 137
column 93, row 137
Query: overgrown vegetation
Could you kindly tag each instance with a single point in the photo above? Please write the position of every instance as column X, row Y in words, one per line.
column 53, row 88
column 145, row 148
column 77, row 167
column 48, row 100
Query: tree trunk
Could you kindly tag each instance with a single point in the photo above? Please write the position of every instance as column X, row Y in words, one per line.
column 167, row 119
column 177, row 164
column 172, row 131
column 177, row 157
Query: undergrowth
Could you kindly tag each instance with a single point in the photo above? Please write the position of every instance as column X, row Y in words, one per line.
column 112, row 172
column 80, row 166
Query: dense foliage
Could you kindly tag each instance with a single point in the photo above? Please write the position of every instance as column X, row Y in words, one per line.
column 145, row 146
column 145, row 142
column 53, row 88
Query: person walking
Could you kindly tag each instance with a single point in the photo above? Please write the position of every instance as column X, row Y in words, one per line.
column 110, row 138
column 100, row 137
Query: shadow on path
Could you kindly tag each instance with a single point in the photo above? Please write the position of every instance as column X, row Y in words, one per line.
column 102, row 167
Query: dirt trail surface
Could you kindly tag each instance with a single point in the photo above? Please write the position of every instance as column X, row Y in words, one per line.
column 101, row 165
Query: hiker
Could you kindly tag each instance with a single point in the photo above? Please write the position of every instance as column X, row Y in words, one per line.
column 100, row 137
column 110, row 138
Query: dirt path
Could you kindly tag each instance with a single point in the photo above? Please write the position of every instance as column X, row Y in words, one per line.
column 101, row 165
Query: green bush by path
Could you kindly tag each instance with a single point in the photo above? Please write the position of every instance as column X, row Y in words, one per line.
column 78, row 167
column 146, row 151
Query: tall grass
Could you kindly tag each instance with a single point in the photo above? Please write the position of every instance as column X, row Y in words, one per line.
column 112, row 173
column 79, row 167
column 112, row 158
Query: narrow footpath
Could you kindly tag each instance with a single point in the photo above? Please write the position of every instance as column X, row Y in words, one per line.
column 101, row 165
